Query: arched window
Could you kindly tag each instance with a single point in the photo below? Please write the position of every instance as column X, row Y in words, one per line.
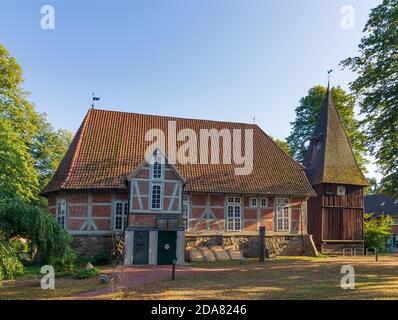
column 156, row 196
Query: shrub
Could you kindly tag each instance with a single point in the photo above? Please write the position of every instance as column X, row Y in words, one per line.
column 86, row 274
column 48, row 242
column 101, row 259
column 67, row 263
column 10, row 266
column 377, row 231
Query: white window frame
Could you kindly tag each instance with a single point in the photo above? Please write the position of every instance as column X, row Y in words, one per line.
column 60, row 213
column 160, row 196
column 157, row 166
column 282, row 215
column 251, row 203
column 233, row 214
column 261, row 202
column 185, row 214
column 124, row 215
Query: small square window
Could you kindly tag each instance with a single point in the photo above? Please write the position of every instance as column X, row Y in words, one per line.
column 237, row 200
column 341, row 190
column 263, row 202
column 253, row 202
column 231, row 200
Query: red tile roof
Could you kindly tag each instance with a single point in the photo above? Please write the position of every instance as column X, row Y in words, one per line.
column 109, row 145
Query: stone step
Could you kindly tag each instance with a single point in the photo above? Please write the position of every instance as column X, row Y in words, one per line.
column 208, row 254
column 220, row 253
column 234, row 254
column 196, row 255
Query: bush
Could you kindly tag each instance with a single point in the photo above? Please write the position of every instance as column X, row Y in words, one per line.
column 48, row 242
column 101, row 259
column 86, row 274
column 67, row 263
column 377, row 231
column 10, row 266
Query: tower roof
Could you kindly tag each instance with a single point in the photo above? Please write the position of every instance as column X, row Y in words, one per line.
column 330, row 158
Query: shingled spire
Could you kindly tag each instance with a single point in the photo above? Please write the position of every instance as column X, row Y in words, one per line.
column 330, row 158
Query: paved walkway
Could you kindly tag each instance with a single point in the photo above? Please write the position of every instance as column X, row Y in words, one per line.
column 140, row 275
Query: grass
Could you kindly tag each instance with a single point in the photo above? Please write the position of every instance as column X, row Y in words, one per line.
column 281, row 278
column 28, row 286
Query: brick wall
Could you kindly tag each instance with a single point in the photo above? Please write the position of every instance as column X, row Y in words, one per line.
column 88, row 212
column 207, row 213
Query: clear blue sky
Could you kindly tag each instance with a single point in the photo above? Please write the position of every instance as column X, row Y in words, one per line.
column 215, row 59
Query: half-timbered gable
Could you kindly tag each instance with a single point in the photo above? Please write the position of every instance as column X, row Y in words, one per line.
column 156, row 186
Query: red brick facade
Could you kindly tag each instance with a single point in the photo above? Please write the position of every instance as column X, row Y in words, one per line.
column 93, row 213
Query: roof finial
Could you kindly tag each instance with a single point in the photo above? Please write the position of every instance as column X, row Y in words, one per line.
column 329, row 76
column 254, row 120
column 95, row 99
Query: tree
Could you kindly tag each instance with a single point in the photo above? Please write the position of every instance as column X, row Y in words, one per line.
column 18, row 177
column 377, row 88
column 30, row 148
column 48, row 149
column 283, row 145
column 47, row 240
column 307, row 115
column 373, row 187
column 377, row 231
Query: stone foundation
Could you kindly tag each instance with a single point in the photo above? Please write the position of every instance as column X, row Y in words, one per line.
column 89, row 246
column 292, row 245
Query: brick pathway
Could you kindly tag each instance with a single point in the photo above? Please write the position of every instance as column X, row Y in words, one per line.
column 140, row 275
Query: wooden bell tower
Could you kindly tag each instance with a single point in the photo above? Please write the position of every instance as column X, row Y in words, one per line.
column 335, row 216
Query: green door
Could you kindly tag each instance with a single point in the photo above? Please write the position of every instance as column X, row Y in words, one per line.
column 141, row 247
column 167, row 247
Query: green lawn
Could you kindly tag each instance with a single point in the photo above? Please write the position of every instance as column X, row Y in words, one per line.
column 27, row 287
column 281, row 278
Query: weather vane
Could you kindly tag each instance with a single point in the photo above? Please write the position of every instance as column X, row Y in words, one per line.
column 95, row 99
column 329, row 76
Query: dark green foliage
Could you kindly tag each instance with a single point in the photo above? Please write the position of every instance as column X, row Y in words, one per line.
column 377, row 231
column 101, row 259
column 30, row 148
column 376, row 86
column 283, row 145
column 10, row 266
column 48, row 242
column 86, row 274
